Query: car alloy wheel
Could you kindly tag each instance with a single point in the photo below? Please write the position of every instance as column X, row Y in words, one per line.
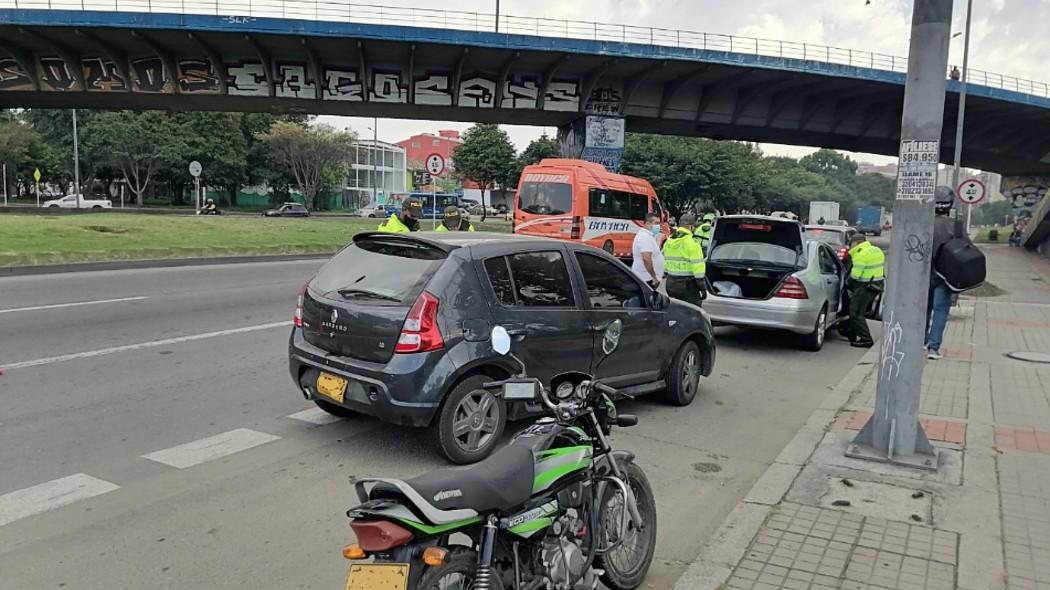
column 691, row 373
column 476, row 420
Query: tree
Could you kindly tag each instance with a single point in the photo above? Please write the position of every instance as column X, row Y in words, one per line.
column 538, row 149
column 486, row 157
column 312, row 154
column 17, row 144
column 830, row 163
column 137, row 143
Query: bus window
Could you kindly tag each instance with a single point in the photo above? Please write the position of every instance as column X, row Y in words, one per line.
column 618, row 204
column 545, row 198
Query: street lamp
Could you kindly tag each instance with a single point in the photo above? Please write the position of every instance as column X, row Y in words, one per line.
column 961, row 117
column 375, row 168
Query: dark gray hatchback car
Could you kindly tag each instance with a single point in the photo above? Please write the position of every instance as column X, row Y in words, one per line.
column 397, row 326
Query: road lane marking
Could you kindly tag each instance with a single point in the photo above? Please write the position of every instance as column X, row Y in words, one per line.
column 140, row 345
column 75, row 304
column 213, row 447
column 50, row 495
column 315, row 416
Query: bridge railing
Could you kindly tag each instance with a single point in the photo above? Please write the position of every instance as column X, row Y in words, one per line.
column 322, row 10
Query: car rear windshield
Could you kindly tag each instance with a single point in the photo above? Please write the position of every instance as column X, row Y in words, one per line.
column 828, row 236
column 755, row 253
column 546, row 198
column 380, row 271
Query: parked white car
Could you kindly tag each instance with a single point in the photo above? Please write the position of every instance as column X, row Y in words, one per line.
column 70, row 202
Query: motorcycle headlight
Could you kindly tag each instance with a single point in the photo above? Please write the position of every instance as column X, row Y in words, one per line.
column 564, row 391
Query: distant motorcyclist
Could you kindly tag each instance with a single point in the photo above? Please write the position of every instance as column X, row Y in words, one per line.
column 454, row 221
column 209, row 208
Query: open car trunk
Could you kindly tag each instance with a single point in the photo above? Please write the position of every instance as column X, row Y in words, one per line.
column 741, row 281
column 752, row 256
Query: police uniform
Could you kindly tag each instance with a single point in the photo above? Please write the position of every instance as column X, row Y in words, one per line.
column 703, row 233
column 398, row 225
column 684, row 265
column 452, row 216
column 866, row 278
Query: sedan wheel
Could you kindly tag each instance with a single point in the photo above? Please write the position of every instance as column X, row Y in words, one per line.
column 471, row 422
column 814, row 341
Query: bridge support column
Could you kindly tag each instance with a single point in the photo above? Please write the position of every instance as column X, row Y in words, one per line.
column 593, row 138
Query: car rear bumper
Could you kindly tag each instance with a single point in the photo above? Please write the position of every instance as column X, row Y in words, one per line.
column 793, row 315
column 406, row 390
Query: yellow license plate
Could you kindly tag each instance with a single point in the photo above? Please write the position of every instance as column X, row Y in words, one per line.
column 377, row 576
column 331, row 386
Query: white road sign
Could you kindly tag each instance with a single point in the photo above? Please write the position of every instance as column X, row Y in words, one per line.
column 195, row 168
column 435, row 164
column 971, row 192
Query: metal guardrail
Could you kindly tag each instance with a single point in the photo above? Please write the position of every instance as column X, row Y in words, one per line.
column 320, row 10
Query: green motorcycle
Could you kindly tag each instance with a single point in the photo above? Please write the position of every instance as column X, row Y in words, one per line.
column 557, row 508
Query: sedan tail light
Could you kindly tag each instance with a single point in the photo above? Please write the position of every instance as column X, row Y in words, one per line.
column 379, row 535
column 843, row 252
column 298, row 319
column 420, row 332
column 792, row 289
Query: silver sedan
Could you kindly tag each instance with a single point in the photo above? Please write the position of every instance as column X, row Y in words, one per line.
column 763, row 272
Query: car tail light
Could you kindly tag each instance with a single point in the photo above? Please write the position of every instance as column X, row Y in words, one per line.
column 792, row 289
column 298, row 319
column 843, row 252
column 420, row 332
column 379, row 535
column 577, row 228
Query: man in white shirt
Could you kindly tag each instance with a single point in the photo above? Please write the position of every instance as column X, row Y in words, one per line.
column 648, row 259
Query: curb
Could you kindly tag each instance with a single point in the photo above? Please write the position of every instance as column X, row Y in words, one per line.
column 727, row 546
column 16, row 271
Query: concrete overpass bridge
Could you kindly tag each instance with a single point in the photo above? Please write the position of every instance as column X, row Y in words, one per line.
column 346, row 59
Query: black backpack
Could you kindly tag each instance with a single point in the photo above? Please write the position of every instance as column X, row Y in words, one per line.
column 960, row 264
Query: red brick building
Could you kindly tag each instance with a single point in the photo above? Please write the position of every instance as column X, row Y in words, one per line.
column 418, row 147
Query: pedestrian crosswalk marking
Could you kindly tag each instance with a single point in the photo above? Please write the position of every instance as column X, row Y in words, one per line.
column 315, row 416
column 210, row 448
column 49, row 495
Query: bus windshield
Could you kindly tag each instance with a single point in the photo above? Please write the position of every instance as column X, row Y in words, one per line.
column 545, row 198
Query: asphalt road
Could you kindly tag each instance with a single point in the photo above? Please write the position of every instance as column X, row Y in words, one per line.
column 146, row 437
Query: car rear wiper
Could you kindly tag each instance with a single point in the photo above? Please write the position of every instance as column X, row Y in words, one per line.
column 347, row 293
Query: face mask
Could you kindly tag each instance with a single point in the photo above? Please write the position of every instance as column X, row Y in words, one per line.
column 655, row 229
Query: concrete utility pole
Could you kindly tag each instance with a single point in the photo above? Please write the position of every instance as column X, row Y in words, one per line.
column 961, row 118
column 893, row 434
column 497, row 16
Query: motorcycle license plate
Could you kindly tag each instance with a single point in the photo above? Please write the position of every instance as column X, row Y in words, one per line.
column 377, row 576
column 331, row 386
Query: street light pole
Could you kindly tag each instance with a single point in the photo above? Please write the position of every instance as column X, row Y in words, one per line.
column 375, row 167
column 497, row 16
column 893, row 433
column 76, row 159
column 960, row 119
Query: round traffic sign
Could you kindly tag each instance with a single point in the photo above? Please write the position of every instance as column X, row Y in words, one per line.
column 971, row 192
column 195, row 168
column 435, row 164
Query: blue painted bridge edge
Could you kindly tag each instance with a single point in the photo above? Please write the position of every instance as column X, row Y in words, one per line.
column 281, row 26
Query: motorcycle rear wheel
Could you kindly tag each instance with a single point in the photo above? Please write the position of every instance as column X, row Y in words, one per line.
column 627, row 564
column 458, row 574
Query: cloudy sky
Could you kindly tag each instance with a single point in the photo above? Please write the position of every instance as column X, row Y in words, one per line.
column 1009, row 36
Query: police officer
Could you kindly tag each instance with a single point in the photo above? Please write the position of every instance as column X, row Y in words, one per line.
column 453, row 221
column 405, row 221
column 867, row 273
column 684, row 263
column 704, row 233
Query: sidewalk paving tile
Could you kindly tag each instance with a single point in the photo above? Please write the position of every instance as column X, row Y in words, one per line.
column 1019, row 395
column 1025, row 503
column 945, row 390
column 948, row 431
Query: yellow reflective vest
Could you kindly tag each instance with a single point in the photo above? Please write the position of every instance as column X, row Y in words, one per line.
column 394, row 225
column 683, row 256
column 869, row 263
column 703, row 234
column 470, row 227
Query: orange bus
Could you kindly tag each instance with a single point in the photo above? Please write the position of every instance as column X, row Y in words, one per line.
column 578, row 200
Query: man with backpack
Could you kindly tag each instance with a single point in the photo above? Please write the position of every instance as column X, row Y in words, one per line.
column 957, row 266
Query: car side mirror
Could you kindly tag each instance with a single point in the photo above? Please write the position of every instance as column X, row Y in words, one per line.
column 659, row 301
column 500, row 340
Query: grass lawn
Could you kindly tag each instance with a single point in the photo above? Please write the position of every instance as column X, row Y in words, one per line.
column 55, row 239
column 1004, row 235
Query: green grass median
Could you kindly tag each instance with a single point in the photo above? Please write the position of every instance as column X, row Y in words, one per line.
column 58, row 239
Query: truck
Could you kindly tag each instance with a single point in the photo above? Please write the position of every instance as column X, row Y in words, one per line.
column 826, row 210
column 70, row 202
column 870, row 220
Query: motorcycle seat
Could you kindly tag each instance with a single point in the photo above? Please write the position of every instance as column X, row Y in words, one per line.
column 499, row 483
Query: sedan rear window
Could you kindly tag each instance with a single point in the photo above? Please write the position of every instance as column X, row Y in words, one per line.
column 379, row 271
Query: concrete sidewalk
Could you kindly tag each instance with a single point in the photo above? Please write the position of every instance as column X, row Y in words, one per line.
column 817, row 519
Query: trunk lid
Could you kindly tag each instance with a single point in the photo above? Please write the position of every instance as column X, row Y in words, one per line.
column 751, row 256
column 357, row 304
